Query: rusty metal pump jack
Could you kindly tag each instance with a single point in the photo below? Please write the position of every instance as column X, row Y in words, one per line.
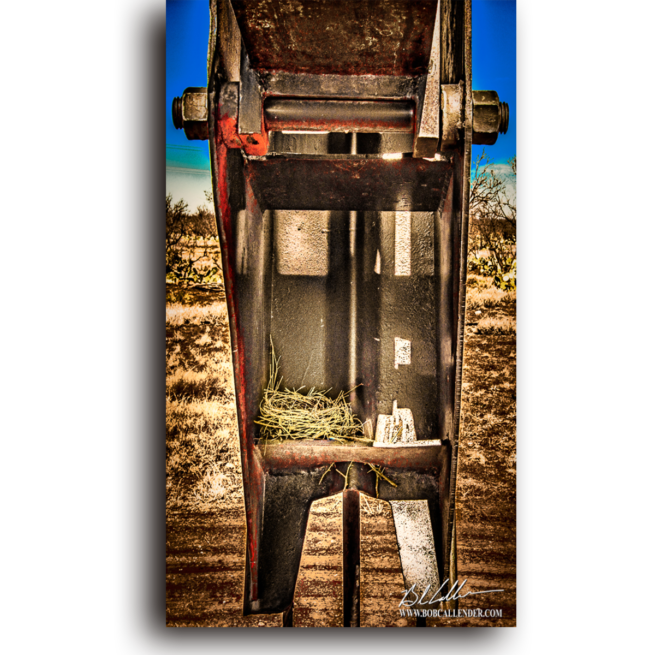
column 340, row 136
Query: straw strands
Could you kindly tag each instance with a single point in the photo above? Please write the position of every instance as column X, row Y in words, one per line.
column 379, row 475
column 287, row 414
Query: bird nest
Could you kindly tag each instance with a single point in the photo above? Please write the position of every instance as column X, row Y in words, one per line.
column 288, row 414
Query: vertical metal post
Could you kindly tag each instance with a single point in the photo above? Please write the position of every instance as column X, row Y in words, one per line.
column 287, row 617
column 352, row 364
column 351, row 536
column 351, row 543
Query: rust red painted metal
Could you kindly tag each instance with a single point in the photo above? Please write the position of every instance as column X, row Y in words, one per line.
column 227, row 128
column 339, row 115
column 319, row 454
column 252, row 470
column 255, row 144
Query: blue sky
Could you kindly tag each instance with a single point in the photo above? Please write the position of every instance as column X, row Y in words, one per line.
column 187, row 31
column 494, row 65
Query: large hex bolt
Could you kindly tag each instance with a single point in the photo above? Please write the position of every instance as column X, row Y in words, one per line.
column 490, row 117
column 190, row 113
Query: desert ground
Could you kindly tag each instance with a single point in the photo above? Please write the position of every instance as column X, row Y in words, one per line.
column 205, row 543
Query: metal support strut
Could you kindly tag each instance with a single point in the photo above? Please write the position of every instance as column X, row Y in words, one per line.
column 351, row 558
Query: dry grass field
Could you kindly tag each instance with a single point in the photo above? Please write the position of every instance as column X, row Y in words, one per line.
column 205, row 516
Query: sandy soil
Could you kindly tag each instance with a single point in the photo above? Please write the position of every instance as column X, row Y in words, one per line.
column 205, row 543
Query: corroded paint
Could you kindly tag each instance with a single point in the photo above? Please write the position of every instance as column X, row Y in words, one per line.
column 255, row 145
column 228, row 124
column 387, row 37
column 349, row 184
column 227, row 119
column 251, row 469
column 307, row 455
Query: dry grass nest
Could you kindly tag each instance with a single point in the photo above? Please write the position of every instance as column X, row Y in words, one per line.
column 288, row 414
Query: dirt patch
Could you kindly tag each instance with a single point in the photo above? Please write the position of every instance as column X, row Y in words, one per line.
column 206, row 522
column 194, row 294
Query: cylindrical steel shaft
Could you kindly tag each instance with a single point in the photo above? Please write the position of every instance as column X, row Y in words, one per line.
column 339, row 115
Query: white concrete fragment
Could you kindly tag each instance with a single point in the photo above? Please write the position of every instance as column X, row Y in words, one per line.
column 384, row 429
column 399, row 424
column 405, row 418
column 403, row 352
column 416, row 545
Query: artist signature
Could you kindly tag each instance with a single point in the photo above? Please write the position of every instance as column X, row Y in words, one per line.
column 452, row 594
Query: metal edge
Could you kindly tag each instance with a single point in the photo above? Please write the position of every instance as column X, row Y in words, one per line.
column 468, row 132
column 365, row 87
column 428, row 105
column 252, row 471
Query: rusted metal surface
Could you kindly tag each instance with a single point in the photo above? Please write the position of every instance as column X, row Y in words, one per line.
column 387, row 37
column 351, row 558
column 287, row 617
column 339, row 115
column 426, row 142
column 252, row 132
column 251, row 96
column 335, row 143
column 224, row 162
column 287, row 500
column 348, row 184
column 227, row 116
column 306, row 455
column 369, row 87
column 224, row 54
column 455, row 18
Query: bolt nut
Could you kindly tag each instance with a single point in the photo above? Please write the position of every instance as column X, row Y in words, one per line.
column 490, row 117
column 190, row 113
